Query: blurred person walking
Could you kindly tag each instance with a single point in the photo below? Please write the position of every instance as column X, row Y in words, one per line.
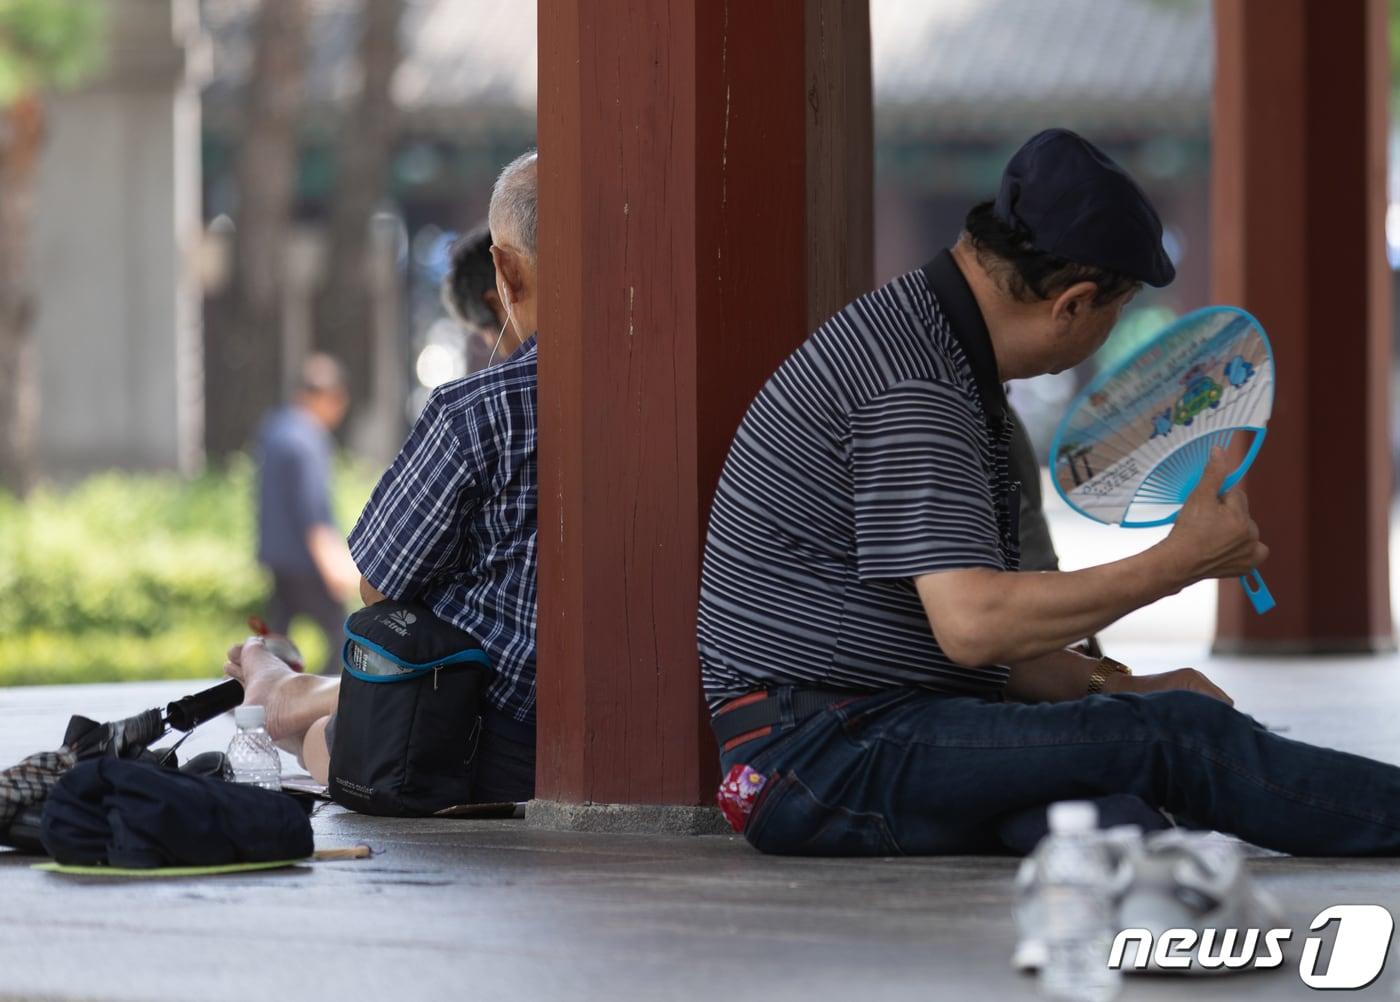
column 298, row 540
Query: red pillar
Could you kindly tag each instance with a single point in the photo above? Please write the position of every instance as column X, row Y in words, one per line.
column 1299, row 202
column 678, row 205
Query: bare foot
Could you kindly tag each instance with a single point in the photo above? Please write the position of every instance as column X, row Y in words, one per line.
column 263, row 676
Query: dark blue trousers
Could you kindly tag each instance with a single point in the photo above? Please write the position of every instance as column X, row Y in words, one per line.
column 913, row 772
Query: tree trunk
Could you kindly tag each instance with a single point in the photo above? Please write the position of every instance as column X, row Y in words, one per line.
column 344, row 315
column 21, row 136
column 243, row 339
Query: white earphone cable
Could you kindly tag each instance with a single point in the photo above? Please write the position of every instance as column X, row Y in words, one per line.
column 496, row 347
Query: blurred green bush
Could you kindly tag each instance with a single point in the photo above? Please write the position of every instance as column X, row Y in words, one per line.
column 138, row 576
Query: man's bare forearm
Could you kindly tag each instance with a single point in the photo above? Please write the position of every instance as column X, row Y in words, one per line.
column 983, row 616
column 1002, row 617
column 1064, row 675
column 1050, row 678
column 1044, row 612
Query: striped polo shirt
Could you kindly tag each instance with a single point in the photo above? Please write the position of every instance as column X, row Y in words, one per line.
column 876, row 453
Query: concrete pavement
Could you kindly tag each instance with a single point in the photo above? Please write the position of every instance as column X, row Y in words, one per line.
column 490, row 909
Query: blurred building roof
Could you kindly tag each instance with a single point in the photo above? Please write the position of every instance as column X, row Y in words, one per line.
column 976, row 69
column 462, row 57
column 990, row 68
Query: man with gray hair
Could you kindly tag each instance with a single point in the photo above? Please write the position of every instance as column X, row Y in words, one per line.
column 451, row 527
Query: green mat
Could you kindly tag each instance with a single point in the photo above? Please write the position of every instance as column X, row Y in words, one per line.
column 166, row 871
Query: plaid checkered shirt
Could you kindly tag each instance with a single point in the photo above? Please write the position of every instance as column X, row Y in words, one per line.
column 451, row 524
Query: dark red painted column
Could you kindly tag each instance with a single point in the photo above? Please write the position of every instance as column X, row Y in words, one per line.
column 1298, row 216
column 675, row 214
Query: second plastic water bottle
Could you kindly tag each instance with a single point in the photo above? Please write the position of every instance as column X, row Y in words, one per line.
column 252, row 756
column 1075, row 884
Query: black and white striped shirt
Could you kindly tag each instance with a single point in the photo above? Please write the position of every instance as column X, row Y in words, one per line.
column 876, row 453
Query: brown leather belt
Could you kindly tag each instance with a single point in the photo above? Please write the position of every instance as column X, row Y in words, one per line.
column 752, row 716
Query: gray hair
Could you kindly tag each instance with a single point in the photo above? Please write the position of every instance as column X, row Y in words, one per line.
column 514, row 213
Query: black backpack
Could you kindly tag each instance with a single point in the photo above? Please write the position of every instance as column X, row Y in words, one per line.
column 408, row 725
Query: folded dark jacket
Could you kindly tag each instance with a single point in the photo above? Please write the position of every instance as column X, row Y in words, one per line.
column 135, row 814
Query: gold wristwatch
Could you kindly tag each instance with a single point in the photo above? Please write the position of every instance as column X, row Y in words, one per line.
column 1106, row 666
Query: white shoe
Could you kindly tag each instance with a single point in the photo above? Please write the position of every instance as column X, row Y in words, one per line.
column 1173, row 879
column 1192, row 880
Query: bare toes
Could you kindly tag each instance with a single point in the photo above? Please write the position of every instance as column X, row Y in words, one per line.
column 254, row 653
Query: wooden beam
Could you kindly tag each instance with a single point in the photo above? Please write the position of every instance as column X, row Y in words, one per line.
column 675, row 212
column 840, row 157
column 1299, row 202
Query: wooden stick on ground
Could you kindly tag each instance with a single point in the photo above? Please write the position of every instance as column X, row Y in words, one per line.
column 361, row 851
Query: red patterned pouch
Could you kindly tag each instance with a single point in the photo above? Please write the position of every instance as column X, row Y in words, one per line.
column 738, row 793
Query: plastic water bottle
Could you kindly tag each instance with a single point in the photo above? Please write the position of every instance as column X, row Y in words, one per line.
column 252, row 756
column 1076, row 873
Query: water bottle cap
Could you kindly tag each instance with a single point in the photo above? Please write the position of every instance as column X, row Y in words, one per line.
column 249, row 716
column 1073, row 816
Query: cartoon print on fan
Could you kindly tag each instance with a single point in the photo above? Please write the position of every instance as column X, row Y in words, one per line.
column 1162, row 423
column 1202, row 392
column 1238, row 371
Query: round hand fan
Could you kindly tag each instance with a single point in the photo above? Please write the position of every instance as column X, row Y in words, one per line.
column 1135, row 442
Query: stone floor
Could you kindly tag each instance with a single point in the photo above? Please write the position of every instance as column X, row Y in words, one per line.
column 490, row 909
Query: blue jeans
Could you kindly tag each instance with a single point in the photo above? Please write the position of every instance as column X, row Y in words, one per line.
column 912, row 772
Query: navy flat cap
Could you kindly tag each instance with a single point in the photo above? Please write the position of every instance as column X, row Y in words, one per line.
column 1076, row 203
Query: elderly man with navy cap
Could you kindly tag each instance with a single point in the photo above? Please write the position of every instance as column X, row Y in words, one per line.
column 881, row 677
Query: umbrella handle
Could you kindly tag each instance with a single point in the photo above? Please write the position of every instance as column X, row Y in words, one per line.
column 1259, row 595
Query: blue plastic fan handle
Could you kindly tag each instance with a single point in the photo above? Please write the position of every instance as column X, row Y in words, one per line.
column 1259, row 595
